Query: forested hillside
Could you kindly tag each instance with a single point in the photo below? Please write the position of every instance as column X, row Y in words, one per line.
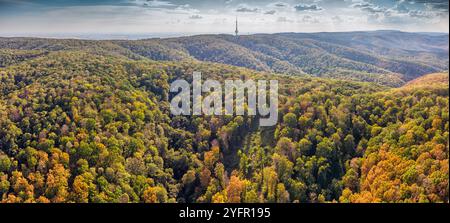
column 89, row 121
column 389, row 58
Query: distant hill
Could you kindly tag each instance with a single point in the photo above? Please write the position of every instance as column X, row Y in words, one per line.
column 390, row 58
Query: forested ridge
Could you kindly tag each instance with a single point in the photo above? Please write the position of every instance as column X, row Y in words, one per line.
column 89, row 121
column 389, row 58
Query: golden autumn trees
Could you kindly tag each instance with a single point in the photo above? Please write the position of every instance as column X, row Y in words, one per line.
column 155, row 195
column 87, row 127
column 404, row 163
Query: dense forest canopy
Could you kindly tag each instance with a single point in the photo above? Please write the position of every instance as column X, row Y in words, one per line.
column 89, row 121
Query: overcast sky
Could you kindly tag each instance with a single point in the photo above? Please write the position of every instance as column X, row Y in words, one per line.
column 218, row 16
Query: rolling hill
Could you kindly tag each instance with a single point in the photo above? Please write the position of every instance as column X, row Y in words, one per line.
column 429, row 80
column 389, row 58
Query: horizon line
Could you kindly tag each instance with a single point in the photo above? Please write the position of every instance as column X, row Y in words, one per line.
column 168, row 35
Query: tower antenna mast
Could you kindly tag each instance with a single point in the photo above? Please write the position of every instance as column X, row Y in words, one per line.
column 237, row 30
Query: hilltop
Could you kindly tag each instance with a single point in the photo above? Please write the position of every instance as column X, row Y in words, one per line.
column 429, row 80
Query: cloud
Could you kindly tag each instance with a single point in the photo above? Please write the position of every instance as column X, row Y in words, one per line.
column 402, row 10
column 441, row 5
column 158, row 4
column 257, row 15
column 281, row 4
column 195, row 17
column 420, row 14
column 368, row 7
column 303, row 7
column 284, row 20
column 337, row 19
column 310, row 19
column 245, row 9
